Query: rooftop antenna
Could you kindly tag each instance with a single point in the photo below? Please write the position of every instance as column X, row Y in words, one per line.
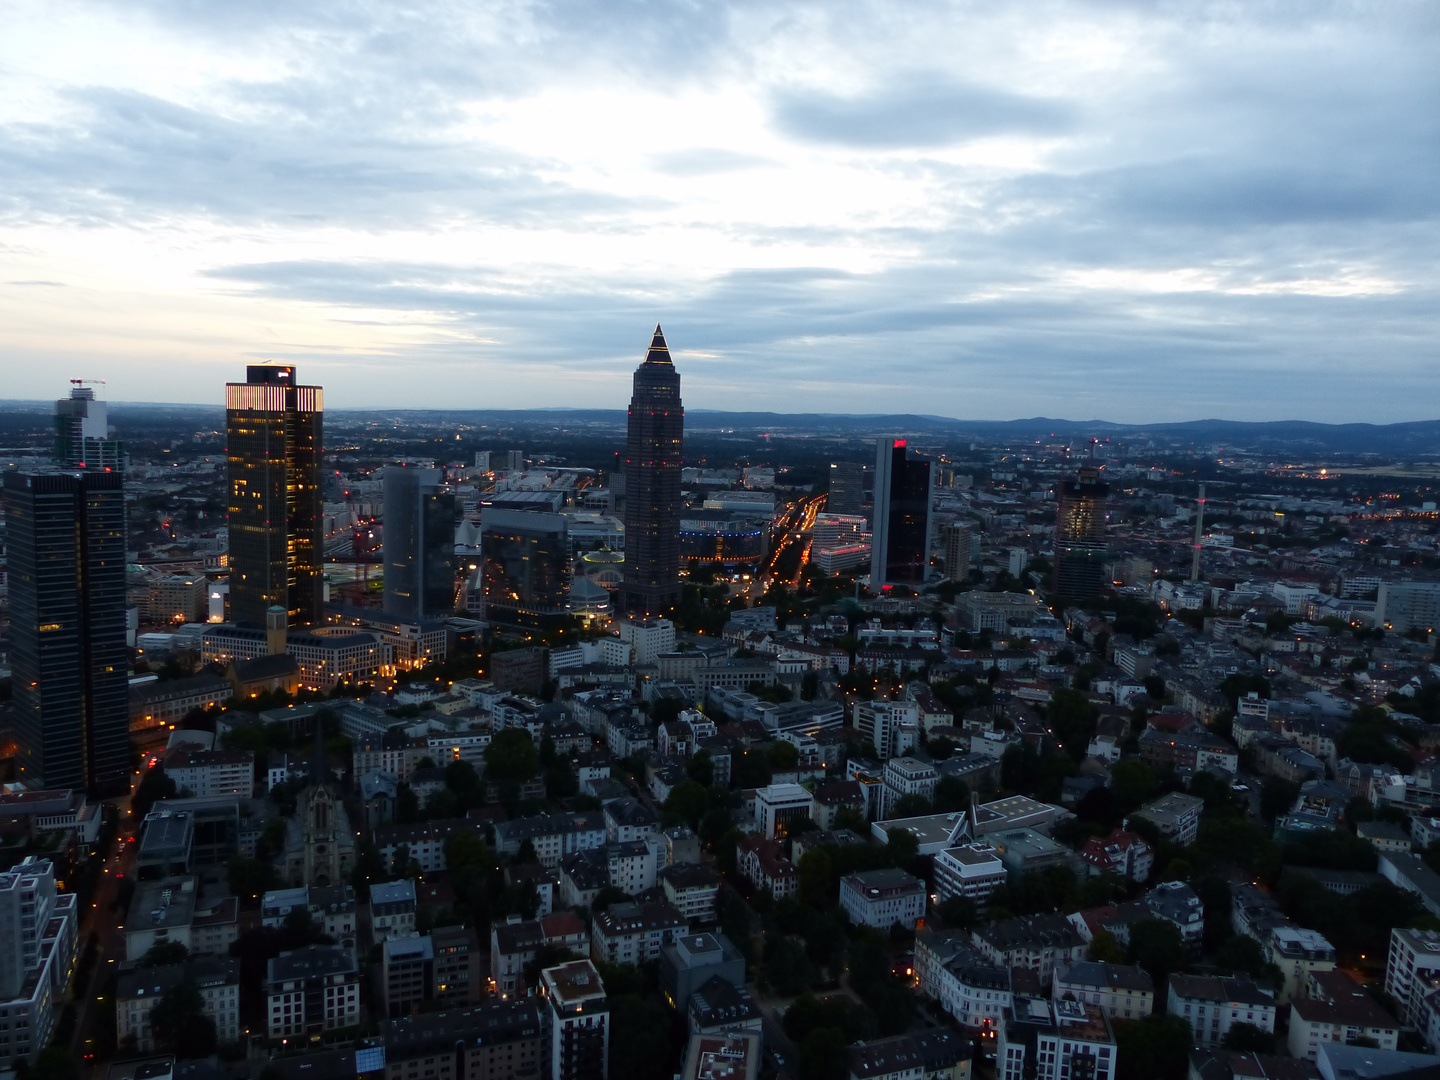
column 1199, row 526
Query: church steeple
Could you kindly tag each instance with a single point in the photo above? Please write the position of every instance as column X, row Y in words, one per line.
column 659, row 352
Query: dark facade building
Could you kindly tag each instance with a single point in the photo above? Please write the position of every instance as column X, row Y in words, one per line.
column 847, row 488
column 1080, row 550
column 525, row 559
column 66, row 538
column 900, row 540
column 651, row 466
column 82, row 432
column 275, row 447
column 500, row 1040
column 419, row 544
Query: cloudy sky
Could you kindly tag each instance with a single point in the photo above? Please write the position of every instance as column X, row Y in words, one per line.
column 1120, row 210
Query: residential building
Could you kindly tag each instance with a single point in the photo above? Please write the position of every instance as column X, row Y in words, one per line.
column 729, row 1055
column 577, row 1017
column 718, row 1005
column 275, row 443
column 553, row 836
column 392, row 909
column 498, row 1040
column 1412, row 969
column 635, row 933
column 1036, row 942
column 311, row 991
column 458, row 980
column 1176, row 816
column 172, row 910
column 776, row 805
column 207, row 773
column 908, row 776
column 332, row 908
column 65, row 543
column 1298, row 952
column 973, row 871
column 1122, row 853
column 759, row 860
column 514, row 943
column 1213, row 1005
column 1337, row 1010
column 1125, row 992
column 692, row 960
column 882, row 898
column 139, row 990
column 1071, row 1039
column 650, row 476
column 692, row 888
column 407, row 969
column 933, row 1054
column 968, row 985
column 41, row 925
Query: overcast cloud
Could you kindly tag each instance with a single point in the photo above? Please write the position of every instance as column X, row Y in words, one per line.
column 1127, row 211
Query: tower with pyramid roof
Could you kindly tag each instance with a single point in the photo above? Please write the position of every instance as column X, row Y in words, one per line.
column 651, row 465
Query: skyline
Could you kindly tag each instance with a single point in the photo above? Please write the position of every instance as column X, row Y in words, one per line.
column 1098, row 210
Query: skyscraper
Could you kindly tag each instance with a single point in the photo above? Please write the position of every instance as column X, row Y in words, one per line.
column 1080, row 550
column 900, row 541
column 958, row 543
column 419, row 544
column 524, row 558
column 82, row 432
column 847, row 488
column 274, row 433
column 653, row 444
column 66, row 537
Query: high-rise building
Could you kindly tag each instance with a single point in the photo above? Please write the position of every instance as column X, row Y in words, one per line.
column 419, row 544
column 577, row 1016
column 525, row 557
column 958, row 540
column 515, row 460
column 653, row 446
column 82, row 432
column 847, row 488
column 900, row 543
column 39, row 927
column 1080, row 551
column 482, row 460
column 274, row 431
column 66, row 538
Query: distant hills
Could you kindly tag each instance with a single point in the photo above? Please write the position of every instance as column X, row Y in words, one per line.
column 1403, row 440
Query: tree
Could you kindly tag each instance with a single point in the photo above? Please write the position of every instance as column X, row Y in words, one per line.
column 817, row 879
column 1072, row 718
column 511, row 756
column 957, row 913
column 902, row 846
column 178, row 1020
column 154, row 786
column 910, row 806
column 701, row 768
column 640, row 1042
column 250, row 879
column 1156, row 945
column 788, row 968
column 466, row 848
column 1103, row 947
column 822, row 1055
column 1247, row 1037
column 1276, row 796
column 686, row 803
column 54, row 1063
column 1134, row 783
column 1155, row 1048
column 783, row 755
column 951, row 795
column 163, row 953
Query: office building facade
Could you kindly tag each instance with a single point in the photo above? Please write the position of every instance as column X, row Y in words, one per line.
column 525, row 560
column 419, row 544
column 66, row 539
column 847, row 489
column 1080, row 550
column 654, row 442
column 900, row 541
column 82, row 432
column 275, row 446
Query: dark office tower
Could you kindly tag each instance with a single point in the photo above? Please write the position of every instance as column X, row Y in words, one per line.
column 277, row 549
column 82, row 432
column 526, row 556
column 652, row 486
column 1080, row 535
column 419, row 544
column 66, row 538
column 958, row 541
column 900, row 536
column 847, row 488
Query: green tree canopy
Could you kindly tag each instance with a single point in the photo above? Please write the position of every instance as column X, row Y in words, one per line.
column 511, row 755
column 686, row 804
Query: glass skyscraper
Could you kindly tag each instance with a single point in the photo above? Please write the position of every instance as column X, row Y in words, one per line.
column 66, row 539
column 419, row 544
column 526, row 558
column 900, row 538
column 274, row 439
column 1080, row 550
column 82, row 432
column 654, row 440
